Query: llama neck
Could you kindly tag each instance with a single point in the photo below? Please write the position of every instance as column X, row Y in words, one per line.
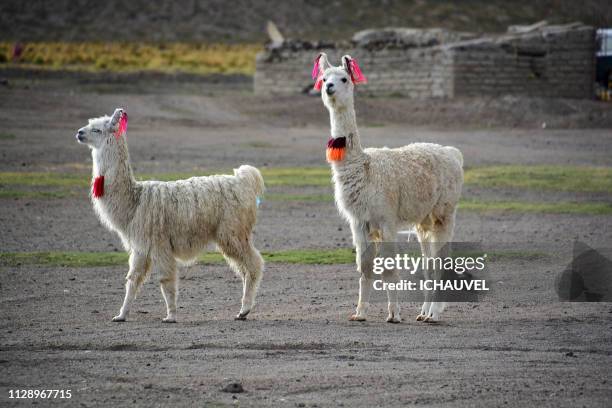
column 119, row 200
column 344, row 124
column 349, row 174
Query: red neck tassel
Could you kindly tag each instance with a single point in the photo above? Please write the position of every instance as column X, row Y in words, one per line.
column 98, row 187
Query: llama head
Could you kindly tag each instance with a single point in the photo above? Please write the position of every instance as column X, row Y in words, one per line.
column 101, row 131
column 337, row 83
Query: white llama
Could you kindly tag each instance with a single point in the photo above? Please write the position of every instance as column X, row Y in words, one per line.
column 381, row 190
column 162, row 223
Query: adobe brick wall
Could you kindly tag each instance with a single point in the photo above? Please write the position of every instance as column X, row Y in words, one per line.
column 550, row 62
column 417, row 73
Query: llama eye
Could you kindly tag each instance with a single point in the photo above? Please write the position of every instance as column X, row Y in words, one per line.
column 324, row 79
column 344, row 79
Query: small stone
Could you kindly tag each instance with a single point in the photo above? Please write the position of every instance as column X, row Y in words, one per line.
column 234, row 388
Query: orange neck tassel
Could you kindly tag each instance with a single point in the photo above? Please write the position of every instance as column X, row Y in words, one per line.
column 336, row 149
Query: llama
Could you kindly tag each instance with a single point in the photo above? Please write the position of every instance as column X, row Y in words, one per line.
column 164, row 223
column 378, row 190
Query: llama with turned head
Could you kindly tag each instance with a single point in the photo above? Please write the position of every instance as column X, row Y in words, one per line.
column 379, row 190
column 164, row 223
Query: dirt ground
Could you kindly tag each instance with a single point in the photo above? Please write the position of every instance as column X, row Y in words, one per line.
column 519, row 347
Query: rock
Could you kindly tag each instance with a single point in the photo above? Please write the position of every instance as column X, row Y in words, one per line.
column 517, row 29
column 402, row 37
column 276, row 38
column 234, row 388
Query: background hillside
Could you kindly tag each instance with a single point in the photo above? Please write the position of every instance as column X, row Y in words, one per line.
column 243, row 21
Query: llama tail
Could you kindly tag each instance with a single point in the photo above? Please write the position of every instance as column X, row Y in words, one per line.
column 455, row 153
column 252, row 177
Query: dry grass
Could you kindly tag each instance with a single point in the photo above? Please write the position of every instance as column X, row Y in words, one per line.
column 126, row 57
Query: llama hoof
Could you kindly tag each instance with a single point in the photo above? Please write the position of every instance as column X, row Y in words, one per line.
column 420, row 318
column 430, row 319
column 119, row 318
column 357, row 318
column 169, row 320
column 242, row 315
column 394, row 319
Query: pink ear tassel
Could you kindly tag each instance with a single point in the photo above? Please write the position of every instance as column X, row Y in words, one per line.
column 356, row 75
column 317, row 75
column 122, row 129
column 316, row 68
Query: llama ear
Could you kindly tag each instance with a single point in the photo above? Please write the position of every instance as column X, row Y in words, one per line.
column 324, row 62
column 345, row 63
column 115, row 118
column 321, row 63
column 352, row 68
column 118, row 122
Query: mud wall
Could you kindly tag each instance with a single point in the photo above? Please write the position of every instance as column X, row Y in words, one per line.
column 547, row 63
column 416, row 73
column 551, row 62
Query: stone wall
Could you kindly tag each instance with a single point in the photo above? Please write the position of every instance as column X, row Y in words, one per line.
column 551, row 61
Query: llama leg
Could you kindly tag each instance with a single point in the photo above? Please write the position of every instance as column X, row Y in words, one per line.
column 139, row 267
column 365, row 253
column 436, row 307
column 252, row 263
column 423, row 237
column 169, row 285
column 442, row 235
column 250, row 267
column 391, row 276
column 246, row 261
column 365, row 286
